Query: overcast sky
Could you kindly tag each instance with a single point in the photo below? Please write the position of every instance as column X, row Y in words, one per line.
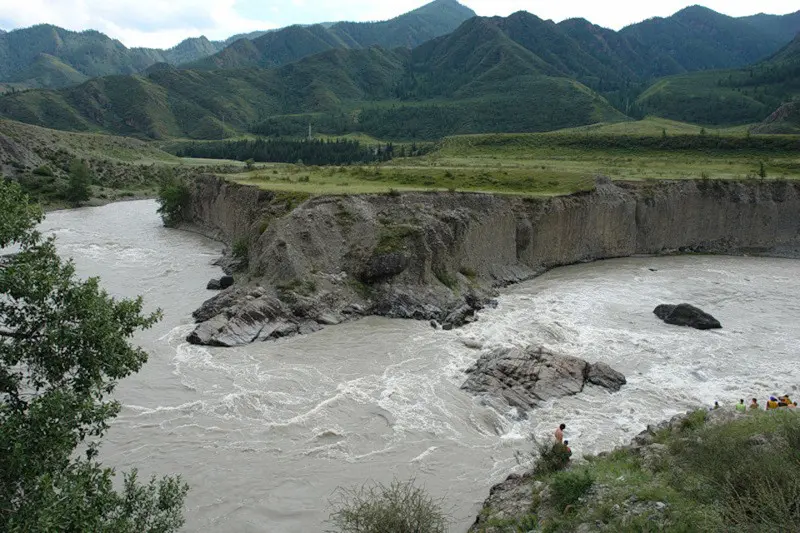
column 164, row 23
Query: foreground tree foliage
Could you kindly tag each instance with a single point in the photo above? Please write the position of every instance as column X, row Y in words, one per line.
column 63, row 348
column 400, row 507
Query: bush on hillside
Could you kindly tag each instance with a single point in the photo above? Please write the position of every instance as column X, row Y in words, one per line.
column 568, row 487
column 173, row 198
column 546, row 458
column 399, row 507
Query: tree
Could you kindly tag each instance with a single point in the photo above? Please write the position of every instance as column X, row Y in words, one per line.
column 173, row 199
column 64, row 345
column 80, row 181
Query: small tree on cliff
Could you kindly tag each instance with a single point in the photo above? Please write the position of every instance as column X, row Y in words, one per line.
column 63, row 348
column 173, row 199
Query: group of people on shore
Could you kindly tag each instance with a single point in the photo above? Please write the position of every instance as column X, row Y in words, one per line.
column 774, row 402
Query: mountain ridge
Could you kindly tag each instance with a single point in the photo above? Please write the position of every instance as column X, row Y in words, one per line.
column 94, row 54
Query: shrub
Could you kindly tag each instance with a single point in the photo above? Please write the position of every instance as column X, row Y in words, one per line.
column 400, row 507
column 568, row 487
column 241, row 249
column 43, row 170
column 547, row 457
column 174, row 199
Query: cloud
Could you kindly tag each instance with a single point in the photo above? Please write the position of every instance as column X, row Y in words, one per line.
column 163, row 23
column 151, row 23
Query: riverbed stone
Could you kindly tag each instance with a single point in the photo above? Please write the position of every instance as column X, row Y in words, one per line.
column 686, row 315
column 604, row 376
column 526, row 377
column 214, row 285
column 242, row 324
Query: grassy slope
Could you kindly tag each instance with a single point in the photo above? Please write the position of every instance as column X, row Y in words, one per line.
column 738, row 475
column 39, row 158
column 550, row 163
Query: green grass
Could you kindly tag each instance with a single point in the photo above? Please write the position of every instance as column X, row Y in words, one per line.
column 711, row 477
column 549, row 164
column 414, row 176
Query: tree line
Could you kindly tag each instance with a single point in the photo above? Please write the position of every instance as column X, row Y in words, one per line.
column 311, row 152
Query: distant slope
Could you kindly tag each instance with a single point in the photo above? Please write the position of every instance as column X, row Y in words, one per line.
column 728, row 97
column 697, row 38
column 785, row 120
column 290, row 44
column 71, row 57
column 48, row 56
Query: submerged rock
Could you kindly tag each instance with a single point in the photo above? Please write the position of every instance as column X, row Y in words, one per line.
column 525, row 377
column 686, row 315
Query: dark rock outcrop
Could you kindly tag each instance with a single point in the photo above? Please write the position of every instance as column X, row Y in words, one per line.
column 214, row 285
column 225, row 282
column 602, row 375
column 686, row 315
column 525, row 377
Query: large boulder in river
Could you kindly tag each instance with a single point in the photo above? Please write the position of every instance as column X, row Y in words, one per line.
column 252, row 320
column 526, row 377
column 686, row 315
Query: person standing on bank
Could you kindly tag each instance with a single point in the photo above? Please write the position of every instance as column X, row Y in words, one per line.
column 560, row 433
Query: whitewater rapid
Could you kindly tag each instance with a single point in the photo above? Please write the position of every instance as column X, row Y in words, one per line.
column 264, row 434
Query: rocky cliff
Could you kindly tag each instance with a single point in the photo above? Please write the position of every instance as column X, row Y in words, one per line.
column 438, row 256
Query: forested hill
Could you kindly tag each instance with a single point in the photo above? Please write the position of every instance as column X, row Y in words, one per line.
column 296, row 42
column 477, row 80
column 734, row 96
column 51, row 57
column 514, row 74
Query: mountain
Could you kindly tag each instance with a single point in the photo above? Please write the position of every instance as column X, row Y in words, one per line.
column 49, row 56
column 727, row 97
column 474, row 80
column 290, row 44
column 782, row 26
column 518, row 73
column 697, row 38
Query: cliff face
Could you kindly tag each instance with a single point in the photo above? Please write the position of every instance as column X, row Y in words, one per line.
column 438, row 255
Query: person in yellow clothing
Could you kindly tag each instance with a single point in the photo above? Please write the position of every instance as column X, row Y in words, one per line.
column 741, row 407
column 772, row 403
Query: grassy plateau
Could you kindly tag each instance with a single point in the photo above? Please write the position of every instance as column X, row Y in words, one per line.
column 553, row 163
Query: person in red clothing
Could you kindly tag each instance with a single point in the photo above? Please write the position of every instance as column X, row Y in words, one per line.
column 560, row 433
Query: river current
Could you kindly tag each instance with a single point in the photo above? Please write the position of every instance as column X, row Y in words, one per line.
column 264, row 434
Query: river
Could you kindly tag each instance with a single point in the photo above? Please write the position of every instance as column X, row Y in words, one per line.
column 265, row 434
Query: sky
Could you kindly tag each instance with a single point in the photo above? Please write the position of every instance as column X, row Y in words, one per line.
column 164, row 23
